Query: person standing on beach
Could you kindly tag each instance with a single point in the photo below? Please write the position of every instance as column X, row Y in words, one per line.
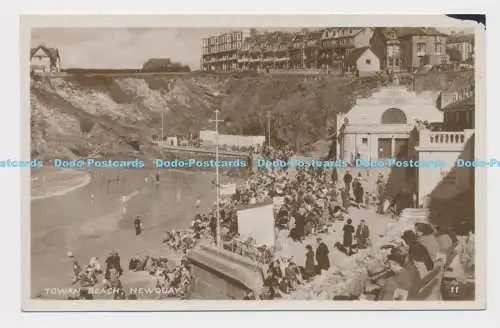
column 348, row 180
column 157, row 180
column 198, row 202
column 348, row 232
column 138, row 226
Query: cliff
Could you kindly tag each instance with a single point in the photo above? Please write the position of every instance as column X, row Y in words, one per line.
column 104, row 115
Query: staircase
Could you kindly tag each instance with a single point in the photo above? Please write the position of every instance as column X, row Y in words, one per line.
column 414, row 215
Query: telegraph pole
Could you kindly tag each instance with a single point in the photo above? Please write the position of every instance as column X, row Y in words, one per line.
column 162, row 133
column 217, row 185
column 269, row 129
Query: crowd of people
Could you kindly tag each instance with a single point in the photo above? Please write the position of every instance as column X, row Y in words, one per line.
column 413, row 260
column 173, row 280
column 313, row 200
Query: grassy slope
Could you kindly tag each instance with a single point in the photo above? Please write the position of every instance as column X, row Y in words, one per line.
column 109, row 115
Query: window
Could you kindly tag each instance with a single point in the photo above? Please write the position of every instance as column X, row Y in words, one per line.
column 457, row 117
column 364, row 141
column 420, row 49
column 467, row 117
column 394, row 116
column 368, row 61
column 437, row 48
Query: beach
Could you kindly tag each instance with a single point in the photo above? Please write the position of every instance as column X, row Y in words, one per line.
column 94, row 226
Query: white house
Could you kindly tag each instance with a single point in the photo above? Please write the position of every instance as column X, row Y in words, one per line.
column 44, row 59
column 362, row 60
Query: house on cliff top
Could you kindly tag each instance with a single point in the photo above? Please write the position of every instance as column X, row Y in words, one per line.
column 44, row 59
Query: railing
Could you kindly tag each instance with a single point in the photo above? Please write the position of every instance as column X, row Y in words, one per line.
column 260, row 255
column 428, row 138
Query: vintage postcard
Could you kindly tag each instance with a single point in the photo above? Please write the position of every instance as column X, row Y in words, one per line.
column 321, row 162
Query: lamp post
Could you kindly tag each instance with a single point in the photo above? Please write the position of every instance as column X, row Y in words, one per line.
column 217, row 185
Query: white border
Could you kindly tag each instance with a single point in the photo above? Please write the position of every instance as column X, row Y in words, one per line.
column 10, row 149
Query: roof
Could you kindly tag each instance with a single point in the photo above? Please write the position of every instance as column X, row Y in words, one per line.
column 231, row 265
column 386, row 31
column 314, row 35
column 454, row 54
column 52, row 53
column 355, row 54
column 159, row 63
column 415, row 31
column 343, row 32
column 369, row 111
column 460, row 38
column 465, row 104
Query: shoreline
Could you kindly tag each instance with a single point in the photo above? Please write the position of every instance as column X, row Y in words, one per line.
column 69, row 222
column 86, row 180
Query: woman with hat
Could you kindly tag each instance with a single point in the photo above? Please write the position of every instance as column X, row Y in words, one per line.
column 400, row 283
column 348, row 232
column 417, row 251
column 310, row 268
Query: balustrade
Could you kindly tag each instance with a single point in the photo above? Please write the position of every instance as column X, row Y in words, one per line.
column 428, row 138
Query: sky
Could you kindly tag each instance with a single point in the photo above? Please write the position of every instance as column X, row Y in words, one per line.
column 89, row 47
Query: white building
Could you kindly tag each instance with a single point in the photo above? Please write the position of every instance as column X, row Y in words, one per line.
column 378, row 127
column 44, row 60
column 172, row 142
column 208, row 137
column 364, row 61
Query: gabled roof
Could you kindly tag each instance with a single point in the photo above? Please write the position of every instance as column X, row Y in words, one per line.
column 355, row 54
column 52, row 53
column 343, row 32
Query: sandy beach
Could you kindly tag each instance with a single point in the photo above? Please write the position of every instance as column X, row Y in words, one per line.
column 94, row 226
column 57, row 182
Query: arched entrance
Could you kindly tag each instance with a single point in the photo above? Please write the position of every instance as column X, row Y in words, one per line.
column 393, row 147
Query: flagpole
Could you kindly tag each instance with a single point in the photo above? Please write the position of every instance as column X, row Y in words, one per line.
column 217, row 185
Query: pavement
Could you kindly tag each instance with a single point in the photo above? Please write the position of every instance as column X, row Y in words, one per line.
column 377, row 223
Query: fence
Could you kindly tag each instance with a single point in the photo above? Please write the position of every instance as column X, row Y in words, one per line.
column 262, row 255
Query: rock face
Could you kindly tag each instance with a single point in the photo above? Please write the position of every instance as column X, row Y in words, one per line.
column 78, row 114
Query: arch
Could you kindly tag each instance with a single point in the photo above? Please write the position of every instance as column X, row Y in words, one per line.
column 394, row 116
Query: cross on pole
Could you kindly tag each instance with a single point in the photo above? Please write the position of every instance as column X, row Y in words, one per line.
column 217, row 185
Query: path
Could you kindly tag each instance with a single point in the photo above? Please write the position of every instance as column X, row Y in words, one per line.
column 377, row 224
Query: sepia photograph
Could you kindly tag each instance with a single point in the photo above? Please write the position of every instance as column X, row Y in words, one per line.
column 257, row 165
